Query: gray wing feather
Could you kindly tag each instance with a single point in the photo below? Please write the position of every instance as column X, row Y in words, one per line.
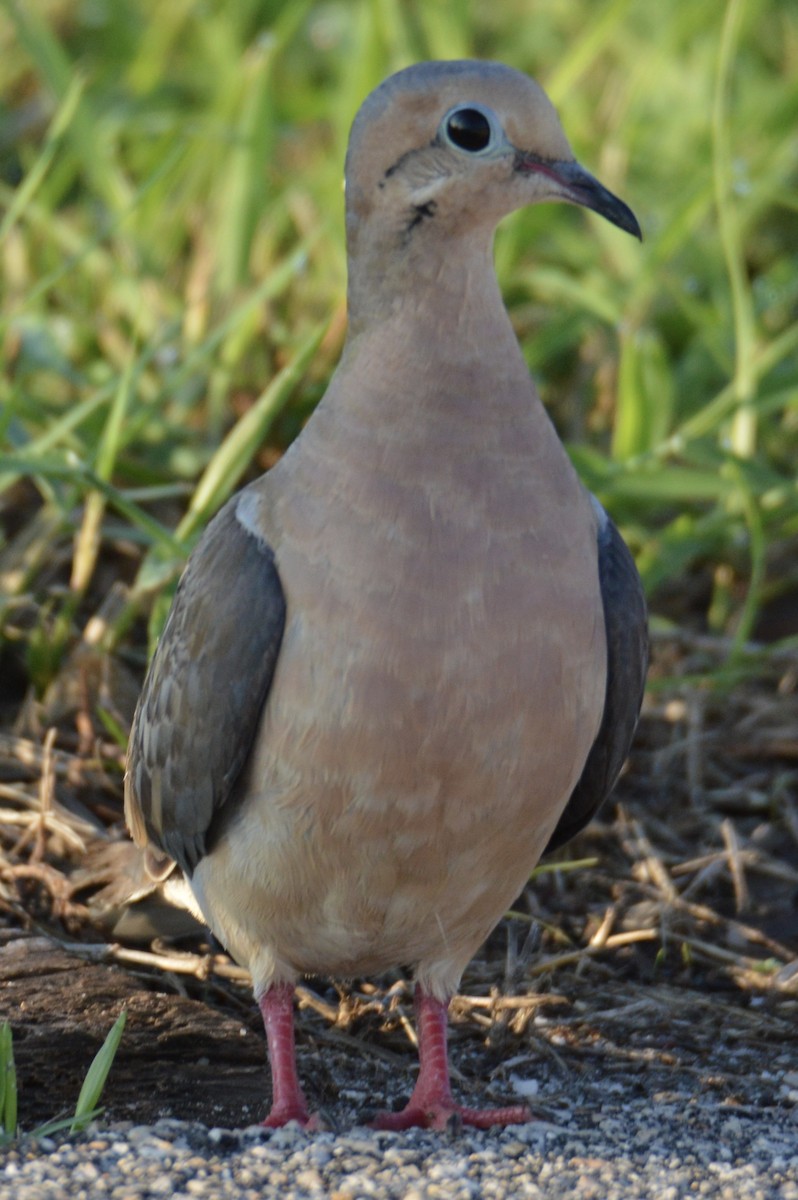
column 205, row 689
column 627, row 662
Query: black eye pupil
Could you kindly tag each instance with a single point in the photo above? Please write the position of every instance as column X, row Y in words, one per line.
column 469, row 129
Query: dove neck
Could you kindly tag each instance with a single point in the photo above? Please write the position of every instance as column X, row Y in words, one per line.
column 431, row 345
column 438, row 296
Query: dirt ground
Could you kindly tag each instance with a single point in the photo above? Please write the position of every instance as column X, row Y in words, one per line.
column 661, row 948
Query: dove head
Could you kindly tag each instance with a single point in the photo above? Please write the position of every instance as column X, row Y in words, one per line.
column 444, row 150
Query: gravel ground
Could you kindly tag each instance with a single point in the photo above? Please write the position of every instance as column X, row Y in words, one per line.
column 640, row 1090
column 663, row 1148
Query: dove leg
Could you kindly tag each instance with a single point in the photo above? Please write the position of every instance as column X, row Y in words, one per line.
column 432, row 1105
column 288, row 1100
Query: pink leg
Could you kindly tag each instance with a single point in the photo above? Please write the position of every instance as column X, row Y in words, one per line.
column 432, row 1104
column 288, row 1101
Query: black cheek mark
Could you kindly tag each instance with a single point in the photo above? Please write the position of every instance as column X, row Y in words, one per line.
column 420, row 212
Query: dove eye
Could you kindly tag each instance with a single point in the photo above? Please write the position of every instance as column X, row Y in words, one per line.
column 468, row 129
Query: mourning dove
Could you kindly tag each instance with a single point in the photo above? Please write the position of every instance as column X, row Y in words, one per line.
column 411, row 656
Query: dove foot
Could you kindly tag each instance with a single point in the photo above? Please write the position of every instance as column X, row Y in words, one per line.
column 431, row 1105
column 445, row 1115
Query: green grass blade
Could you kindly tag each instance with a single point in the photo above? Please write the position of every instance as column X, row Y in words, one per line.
column 594, row 33
column 97, row 1074
column 8, row 1082
column 743, row 436
column 56, row 71
column 254, row 142
column 253, row 149
column 23, row 196
column 88, row 541
column 645, row 401
column 85, row 478
column 3, row 1074
column 589, row 295
column 235, row 453
column 60, row 1123
column 758, row 551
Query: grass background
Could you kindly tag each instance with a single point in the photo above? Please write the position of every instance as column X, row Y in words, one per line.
column 172, row 280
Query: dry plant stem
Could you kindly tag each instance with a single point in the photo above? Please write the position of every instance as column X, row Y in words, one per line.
column 619, row 939
column 307, row 999
column 200, row 966
column 652, row 863
column 702, row 913
column 467, row 1004
column 695, row 746
column 604, row 930
column 736, row 869
column 80, row 772
column 754, row 860
column 54, row 881
column 46, row 793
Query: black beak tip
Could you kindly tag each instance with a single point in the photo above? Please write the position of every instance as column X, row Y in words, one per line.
column 592, row 194
column 580, row 187
column 627, row 221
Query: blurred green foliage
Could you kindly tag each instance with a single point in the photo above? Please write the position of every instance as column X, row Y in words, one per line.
column 173, row 275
